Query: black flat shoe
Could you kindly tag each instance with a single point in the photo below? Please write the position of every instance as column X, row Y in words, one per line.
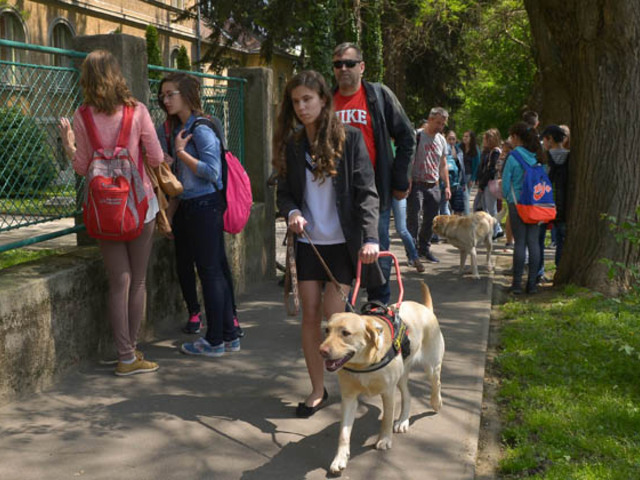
column 305, row 411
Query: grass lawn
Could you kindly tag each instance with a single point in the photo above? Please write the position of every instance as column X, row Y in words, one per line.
column 569, row 396
column 20, row 255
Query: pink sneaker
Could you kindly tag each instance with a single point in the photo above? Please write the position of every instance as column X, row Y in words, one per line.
column 194, row 324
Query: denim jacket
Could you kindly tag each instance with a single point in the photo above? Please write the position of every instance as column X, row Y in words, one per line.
column 205, row 146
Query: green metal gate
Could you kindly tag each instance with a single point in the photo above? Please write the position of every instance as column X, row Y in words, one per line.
column 37, row 182
column 222, row 97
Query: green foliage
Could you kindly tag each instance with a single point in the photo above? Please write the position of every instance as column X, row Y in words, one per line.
column 501, row 68
column 568, row 396
column 626, row 232
column 425, row 54
column 317, row 36
column 372, row 40
column 26, row 160
column 183, row 62
column 154, row 56
column 345, row 23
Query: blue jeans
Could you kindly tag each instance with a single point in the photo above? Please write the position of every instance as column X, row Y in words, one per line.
column 542, row 234
column 382, row 293
column 445, row 208
column 491, row 206
column 400, row 217
column 197, row 227
column 466, row 196
column 525, row 236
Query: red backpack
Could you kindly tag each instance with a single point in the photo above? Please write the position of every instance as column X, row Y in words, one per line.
column 115, row 203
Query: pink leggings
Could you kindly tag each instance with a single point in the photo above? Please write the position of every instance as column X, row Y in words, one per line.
column 126, row 265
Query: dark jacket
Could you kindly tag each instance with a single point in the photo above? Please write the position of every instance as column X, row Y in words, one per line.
column 559, row 176
column 488, row 167
column 389, row 121
column 356, row 196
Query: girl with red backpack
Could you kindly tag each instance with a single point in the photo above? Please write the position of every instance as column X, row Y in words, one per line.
column 109, row 130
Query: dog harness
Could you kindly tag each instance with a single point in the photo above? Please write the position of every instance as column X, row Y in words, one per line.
column 400, row 342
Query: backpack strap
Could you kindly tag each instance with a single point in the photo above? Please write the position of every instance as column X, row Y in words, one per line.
column 167, row 134
column 125, row 128
column 515, row 154
column 125, row 135
column 214, row 124
column 90, row 126
column 519, row 158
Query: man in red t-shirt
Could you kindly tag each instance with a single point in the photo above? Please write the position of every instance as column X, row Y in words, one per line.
column 377, row 113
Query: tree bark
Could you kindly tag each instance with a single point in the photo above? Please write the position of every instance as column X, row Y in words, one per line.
column 598, row 46
column 550, row 97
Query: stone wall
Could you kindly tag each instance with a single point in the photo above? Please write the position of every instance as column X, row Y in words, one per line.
column 53, row 311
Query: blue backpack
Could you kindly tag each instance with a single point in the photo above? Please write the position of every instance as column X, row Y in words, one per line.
column 535, row 204
column 454, row 172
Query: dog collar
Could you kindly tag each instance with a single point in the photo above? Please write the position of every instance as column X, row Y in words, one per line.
column 400, row 342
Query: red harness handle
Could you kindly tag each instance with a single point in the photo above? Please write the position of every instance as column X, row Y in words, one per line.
column 398, row 277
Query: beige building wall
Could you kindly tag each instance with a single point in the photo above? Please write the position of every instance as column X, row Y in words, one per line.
column 94, row 17
column 42, row 20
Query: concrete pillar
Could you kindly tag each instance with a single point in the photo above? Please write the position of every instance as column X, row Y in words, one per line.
column 259, row 238
column 258, row 126
column 131, row 53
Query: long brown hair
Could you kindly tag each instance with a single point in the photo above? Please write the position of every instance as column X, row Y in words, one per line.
column 493, row 139
column 189, row 88
column 102, row 83
column 329, row 141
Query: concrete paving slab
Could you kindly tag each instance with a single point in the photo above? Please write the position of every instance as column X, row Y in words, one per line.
column 233, row 417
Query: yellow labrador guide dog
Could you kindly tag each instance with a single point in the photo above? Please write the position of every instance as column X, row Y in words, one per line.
column 371, row 357
column 467, row 232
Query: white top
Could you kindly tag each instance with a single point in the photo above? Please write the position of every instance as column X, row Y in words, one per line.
column 320, row 211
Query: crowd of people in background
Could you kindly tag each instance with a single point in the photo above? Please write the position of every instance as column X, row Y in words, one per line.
column 345, row 160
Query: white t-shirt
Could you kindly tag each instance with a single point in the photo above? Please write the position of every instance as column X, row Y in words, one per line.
column 320, row 211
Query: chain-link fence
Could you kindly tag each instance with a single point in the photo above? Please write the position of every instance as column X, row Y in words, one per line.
column 222, row 97
column 37, row 183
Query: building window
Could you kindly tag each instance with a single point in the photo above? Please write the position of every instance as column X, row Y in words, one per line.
column 178, row 4
column 62, row 37
column 11, row 28
column 173, row 61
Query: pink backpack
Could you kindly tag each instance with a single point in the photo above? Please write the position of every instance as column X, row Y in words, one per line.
column 115, row 203
column 236, row 184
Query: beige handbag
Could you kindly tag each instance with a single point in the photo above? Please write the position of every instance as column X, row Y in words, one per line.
column 167, row 181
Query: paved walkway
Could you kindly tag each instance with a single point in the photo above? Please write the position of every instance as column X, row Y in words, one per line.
column 233, row 417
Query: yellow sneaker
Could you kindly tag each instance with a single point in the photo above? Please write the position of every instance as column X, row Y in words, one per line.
column 139, row 355
column 139, row 366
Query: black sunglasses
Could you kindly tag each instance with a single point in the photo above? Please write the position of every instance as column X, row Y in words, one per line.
column 345, row 63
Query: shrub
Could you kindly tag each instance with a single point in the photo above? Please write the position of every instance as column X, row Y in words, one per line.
column 26, row 160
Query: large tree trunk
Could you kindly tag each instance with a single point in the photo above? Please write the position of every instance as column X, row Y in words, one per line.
column 598, row 44
column 550, row 97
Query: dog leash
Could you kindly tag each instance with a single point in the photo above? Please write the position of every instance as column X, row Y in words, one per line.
column 292, row 274
column 291, row 278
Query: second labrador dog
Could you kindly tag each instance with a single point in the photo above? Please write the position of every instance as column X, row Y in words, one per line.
column 467, row 232
column 360, row 343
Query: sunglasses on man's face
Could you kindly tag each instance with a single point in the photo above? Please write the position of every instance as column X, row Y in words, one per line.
column 345, row 63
